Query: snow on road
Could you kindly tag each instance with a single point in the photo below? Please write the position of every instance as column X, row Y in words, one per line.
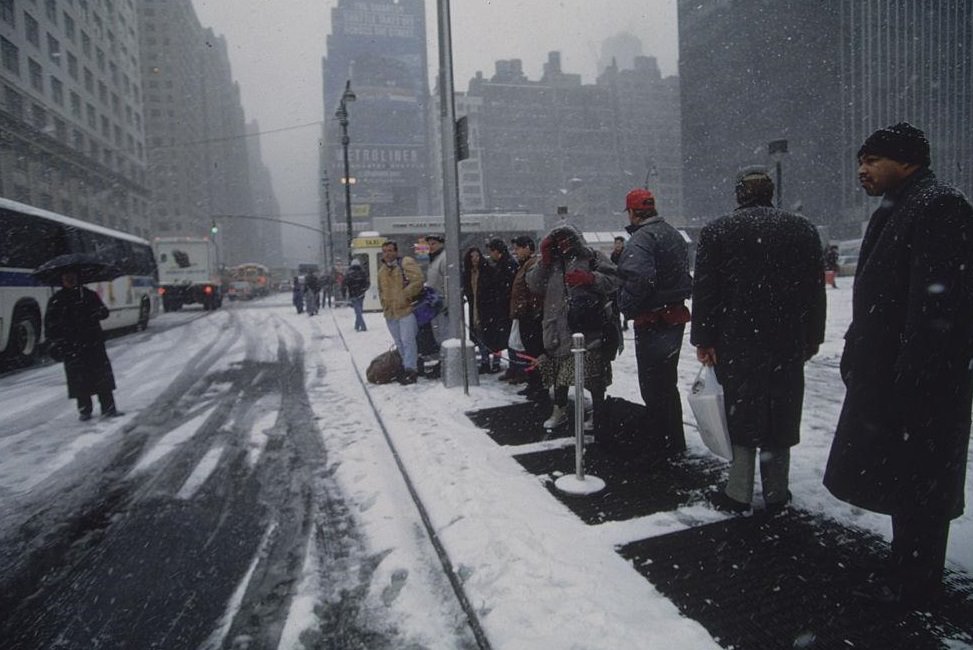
column 534, row 573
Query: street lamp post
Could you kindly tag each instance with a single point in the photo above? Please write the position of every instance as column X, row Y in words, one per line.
column 342, row 115
column 777, row 150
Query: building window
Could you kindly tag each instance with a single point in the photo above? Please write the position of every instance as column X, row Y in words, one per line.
column 38, row 116
column 100, row 58
column 103, row 92
column 86, row 43
column 7, row 14
column 90, row 115
column 57, row 91
column 73, row 66
column 60, row 129
column 78, row 139
column 32, row 30
column 51, row 8
column 89, row 81
column 10, row 55
column 69, row 29
column 75, row 105
column 36, row 74
column 14, row 102
column 54, row 49
column 105, row 127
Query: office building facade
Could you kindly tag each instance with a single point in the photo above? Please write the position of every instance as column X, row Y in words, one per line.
column 821, row 76
column 379, row 46
column 200, row 159
column 71, row 122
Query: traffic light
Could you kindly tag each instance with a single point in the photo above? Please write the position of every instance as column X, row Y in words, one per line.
column 214, row 228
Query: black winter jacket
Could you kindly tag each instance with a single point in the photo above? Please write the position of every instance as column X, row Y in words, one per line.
column 904, row 430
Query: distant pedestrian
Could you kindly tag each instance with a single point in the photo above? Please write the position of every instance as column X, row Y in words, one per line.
column 831, row 265
column 297, row 295
column 356, row 283
column 758, row 316
column 654, row 268
column 901, row 446
column 312, row 288
column 399, row 284
column 327, row 287
column 73, row 330
column 576, row 282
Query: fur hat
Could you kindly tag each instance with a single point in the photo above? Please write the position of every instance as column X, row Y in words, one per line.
column 902, row 142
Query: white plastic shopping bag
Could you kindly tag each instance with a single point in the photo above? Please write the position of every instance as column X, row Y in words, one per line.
column 514, row 342
column 706, row 401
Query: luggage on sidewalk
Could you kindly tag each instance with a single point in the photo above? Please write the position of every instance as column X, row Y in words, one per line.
column 385, row 368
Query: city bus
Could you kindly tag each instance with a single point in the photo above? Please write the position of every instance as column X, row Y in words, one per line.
column 29, row 237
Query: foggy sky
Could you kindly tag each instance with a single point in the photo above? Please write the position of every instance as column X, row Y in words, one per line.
column 276, row 47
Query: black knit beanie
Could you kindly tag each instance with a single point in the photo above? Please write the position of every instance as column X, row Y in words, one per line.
column 902, row 142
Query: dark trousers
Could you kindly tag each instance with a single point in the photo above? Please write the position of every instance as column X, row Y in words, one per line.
column 919, row 552
column 107, row 401
column 657, row 355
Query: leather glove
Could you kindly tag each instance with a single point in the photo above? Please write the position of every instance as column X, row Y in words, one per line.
column 547, row 251
column 579, row 278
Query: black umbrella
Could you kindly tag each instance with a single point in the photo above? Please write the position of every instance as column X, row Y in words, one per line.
column 88, row 267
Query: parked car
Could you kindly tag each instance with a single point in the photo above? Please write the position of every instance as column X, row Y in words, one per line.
column 240, row 290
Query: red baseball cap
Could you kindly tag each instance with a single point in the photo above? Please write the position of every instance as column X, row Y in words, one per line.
column 640, row 199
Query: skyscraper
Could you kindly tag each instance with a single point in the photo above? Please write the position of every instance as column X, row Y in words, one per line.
column 380, row 47
column 822, row 76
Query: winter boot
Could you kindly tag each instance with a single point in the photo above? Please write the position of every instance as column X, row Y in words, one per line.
column 559, row 416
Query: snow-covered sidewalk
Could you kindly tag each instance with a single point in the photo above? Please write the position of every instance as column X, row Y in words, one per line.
column 537, row 575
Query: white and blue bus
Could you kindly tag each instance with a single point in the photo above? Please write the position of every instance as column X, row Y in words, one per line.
column 29, row 237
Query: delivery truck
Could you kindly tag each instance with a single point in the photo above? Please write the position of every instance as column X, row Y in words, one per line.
column 189, row 272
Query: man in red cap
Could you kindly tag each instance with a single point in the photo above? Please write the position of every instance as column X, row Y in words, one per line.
column 654, row 267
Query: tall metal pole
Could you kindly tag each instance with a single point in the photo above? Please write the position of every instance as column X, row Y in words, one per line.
column 327, row 224
column 345, row 140
column 447, row 117
column 342, row 115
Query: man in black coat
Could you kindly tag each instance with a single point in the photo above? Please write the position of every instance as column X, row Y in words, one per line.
column 73, row 331
column 902, row 438
column 758, row 314
column 654, row 267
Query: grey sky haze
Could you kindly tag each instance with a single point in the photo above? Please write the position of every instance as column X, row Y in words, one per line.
column 276, row 47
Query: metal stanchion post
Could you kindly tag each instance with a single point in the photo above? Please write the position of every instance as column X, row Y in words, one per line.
column 579, row 483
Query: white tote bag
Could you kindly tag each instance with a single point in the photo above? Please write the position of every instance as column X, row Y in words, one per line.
column 514, row 342
column 706, row 401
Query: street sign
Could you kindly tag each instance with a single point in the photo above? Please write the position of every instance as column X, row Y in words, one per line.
column 462, row 138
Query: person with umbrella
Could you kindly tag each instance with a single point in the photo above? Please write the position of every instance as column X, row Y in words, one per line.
column 73, row 330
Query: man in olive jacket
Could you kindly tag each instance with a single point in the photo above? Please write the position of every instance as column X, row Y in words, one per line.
column 902, row 438
column 399, row 285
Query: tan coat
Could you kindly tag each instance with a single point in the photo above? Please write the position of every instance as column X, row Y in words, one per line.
column 525, row 305
column 398, row 287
